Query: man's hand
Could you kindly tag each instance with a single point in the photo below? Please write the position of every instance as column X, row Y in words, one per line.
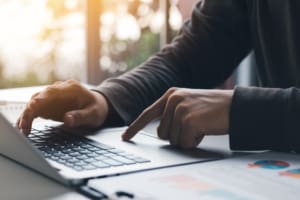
column 186, row 116
column 68, row 102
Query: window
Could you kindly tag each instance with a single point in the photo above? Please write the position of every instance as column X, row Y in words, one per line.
column 129, row 32
column 42, row 41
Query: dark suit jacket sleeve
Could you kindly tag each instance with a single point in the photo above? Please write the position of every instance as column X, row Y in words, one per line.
column 265, row 118
column 203, row 55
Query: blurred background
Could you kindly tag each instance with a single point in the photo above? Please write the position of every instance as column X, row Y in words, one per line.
column 42, row 41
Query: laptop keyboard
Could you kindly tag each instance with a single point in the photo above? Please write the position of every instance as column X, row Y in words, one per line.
column 78, row 152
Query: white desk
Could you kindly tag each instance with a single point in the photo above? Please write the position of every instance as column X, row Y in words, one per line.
column 18, row 182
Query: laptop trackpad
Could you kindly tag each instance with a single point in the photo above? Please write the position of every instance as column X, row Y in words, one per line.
column 150, row 147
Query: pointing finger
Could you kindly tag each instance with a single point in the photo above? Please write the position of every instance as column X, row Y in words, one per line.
column 149, row 114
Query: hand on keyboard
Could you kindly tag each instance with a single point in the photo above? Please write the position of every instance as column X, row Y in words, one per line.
column 68, row 102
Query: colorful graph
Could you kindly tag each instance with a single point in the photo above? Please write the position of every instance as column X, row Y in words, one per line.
column 269, row 164
column 295, row 173
column 185, row 182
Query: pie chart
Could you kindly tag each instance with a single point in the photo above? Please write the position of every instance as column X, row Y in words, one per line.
column 269, row 164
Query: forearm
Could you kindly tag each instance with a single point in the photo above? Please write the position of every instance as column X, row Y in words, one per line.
column 265, row 118
column 203, row 55
column 130, row 93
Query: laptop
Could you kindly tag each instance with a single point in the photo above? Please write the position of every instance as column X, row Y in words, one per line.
column 73, row 156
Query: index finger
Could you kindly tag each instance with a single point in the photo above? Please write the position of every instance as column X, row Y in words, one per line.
column 149, row 114
column 24, row 122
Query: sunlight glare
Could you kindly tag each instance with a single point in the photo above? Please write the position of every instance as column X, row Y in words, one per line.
column 175, row 19
column 127, row 28
column 146, row 1
column 107, row 18
column 157, row 22
column 71, row 4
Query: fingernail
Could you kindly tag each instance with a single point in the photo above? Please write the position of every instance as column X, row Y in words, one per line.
column 70, row 120
column 23, row 124
column 124, row 136
column 24, row 131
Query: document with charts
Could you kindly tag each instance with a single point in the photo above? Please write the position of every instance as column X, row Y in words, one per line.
column 268, row 175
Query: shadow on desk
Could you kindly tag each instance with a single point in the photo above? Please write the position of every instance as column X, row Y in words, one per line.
column 194, row 153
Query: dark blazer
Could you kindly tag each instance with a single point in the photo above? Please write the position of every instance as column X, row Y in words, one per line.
column 205, row 53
